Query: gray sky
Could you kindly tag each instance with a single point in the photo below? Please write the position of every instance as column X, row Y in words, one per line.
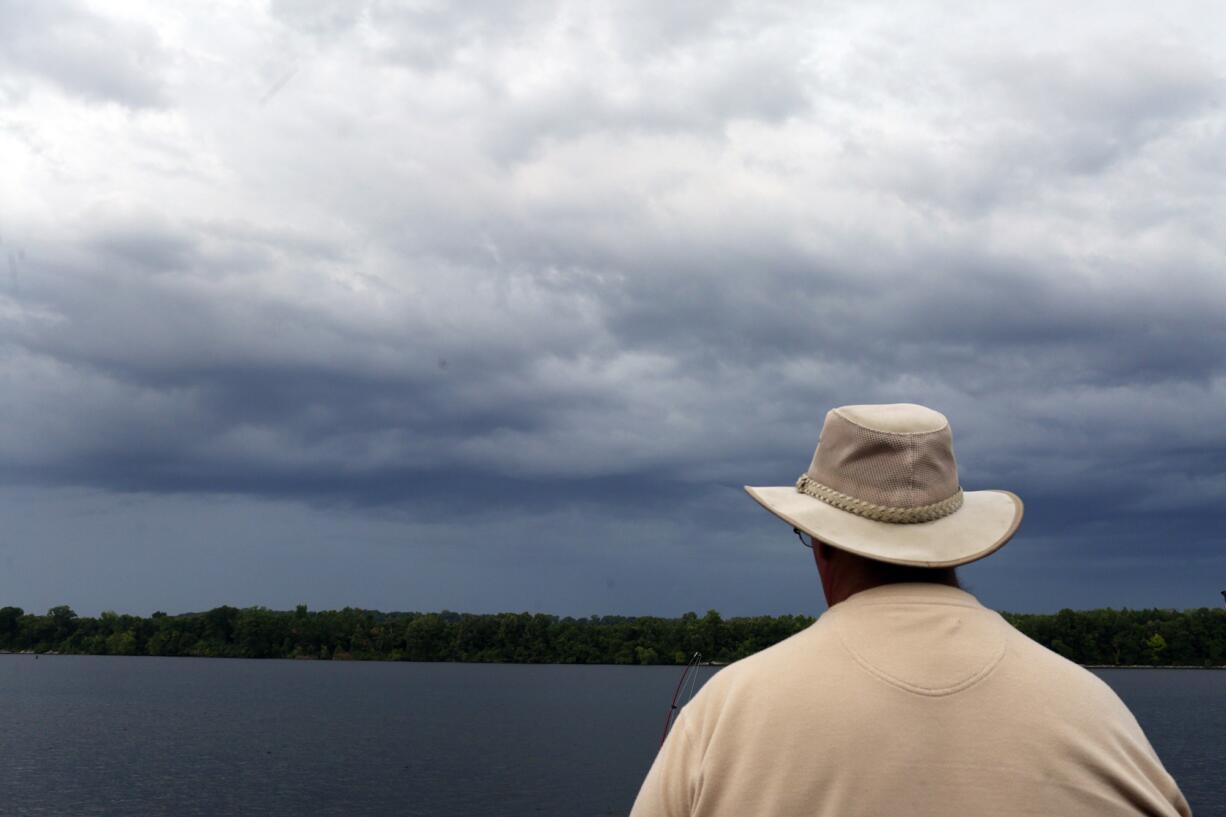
column 496, row 306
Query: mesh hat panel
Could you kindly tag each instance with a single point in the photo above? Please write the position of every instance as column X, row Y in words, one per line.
column 896, row 469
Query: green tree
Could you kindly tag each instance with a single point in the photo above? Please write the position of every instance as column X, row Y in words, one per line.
column 427, row 639
column 1157, row 648
column 10, row 623
column 63, row 622
column 121, row 643
column 646, row 655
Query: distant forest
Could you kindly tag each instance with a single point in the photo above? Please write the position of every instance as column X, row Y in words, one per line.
column 1112, row 637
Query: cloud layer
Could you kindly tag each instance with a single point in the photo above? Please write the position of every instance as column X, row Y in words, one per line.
column 473, row 271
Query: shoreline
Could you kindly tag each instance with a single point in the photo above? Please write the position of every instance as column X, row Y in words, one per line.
column 711, row 664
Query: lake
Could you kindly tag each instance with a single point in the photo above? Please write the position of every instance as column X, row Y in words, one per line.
column 95, row 735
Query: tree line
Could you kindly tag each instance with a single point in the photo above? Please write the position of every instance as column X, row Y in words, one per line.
column 1107, row 637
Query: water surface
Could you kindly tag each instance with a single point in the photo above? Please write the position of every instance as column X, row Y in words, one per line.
column 95, row 735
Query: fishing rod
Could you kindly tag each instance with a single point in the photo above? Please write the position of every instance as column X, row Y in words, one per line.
column 690, row 674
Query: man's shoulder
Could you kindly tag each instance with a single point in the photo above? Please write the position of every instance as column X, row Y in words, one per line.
column 762, row 679
column 1080, row 689
column 800, row 655
column 799, row 646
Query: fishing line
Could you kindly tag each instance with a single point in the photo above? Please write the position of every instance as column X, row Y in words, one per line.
column 692, row 666
column 693, row 683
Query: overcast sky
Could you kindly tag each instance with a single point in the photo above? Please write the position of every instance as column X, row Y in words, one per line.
column 496, row 306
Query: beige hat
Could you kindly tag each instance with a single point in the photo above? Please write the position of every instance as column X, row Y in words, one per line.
column 884, row 484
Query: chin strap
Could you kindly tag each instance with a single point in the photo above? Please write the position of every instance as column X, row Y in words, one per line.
column 801, row 537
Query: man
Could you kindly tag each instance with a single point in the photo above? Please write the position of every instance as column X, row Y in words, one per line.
column 907, row 696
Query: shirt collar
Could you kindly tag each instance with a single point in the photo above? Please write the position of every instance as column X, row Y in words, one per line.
column 914, row 592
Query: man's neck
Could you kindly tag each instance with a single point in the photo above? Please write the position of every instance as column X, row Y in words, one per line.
column 855, row 576
column 844, row 592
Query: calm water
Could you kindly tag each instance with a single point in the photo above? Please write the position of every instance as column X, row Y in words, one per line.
column 87, row 736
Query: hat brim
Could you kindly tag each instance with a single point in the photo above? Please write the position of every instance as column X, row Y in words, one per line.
column 984, row 523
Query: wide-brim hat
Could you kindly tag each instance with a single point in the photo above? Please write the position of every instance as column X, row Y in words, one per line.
column 883, row 484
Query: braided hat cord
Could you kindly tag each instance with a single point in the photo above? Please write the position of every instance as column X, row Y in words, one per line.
column 881, row 513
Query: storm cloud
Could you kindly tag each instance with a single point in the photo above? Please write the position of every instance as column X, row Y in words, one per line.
column 499, row 306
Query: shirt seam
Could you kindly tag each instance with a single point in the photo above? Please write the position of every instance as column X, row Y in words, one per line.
column 916, row 689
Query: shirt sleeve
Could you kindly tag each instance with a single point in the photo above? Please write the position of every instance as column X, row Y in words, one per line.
column 668, row 788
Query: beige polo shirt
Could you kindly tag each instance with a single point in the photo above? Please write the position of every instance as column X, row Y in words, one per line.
column 906, row 699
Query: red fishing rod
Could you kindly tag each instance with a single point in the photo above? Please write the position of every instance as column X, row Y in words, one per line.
column 691, row 672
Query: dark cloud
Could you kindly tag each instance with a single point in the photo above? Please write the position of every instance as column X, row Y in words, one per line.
column 1087, row 109
column 528, row 293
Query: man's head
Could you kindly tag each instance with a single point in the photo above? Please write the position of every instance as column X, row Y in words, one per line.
column 882, row 501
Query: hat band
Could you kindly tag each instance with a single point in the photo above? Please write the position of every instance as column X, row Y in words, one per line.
column 881, row 513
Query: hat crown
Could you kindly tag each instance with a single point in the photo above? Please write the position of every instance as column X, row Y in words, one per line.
column 897, row 455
